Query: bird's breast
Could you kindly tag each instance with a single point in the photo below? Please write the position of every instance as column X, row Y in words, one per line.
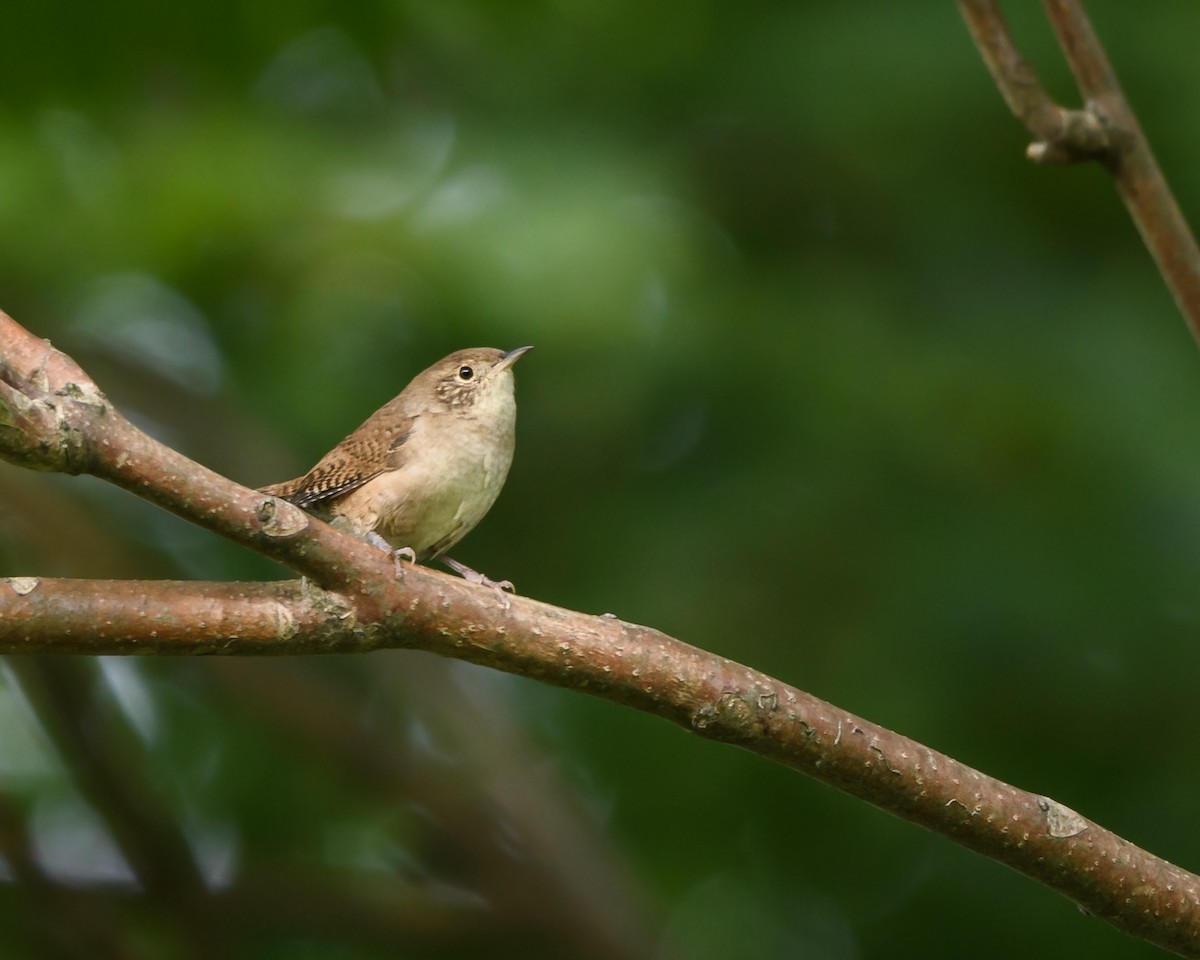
column 450, row 474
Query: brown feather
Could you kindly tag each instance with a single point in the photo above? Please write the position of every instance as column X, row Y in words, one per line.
column 360, row 457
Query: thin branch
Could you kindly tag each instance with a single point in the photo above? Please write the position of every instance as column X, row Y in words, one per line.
column 1085, row 55
column 549, row 872
column 77, row 928
column 1061, row 136
column 93, row 744
column 63, row 696
column 98, row 921
column 622, row 662
column 1106, row 129
column 1139, row 180
column 377, row 910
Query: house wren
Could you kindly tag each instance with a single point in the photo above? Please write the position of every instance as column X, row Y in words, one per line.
column 424, row 468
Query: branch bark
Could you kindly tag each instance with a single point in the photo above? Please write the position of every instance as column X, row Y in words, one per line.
column 53, row 417
column 1105, row 129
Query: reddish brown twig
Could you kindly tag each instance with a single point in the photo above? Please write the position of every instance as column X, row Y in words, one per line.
column 1105, row 129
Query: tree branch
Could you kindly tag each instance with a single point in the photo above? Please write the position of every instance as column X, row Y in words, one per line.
column 640, row 667
column 546, row 856
column 1106, row 129
column 92, row 745
column 78, row 930
column 54, row 417
column 62, row 421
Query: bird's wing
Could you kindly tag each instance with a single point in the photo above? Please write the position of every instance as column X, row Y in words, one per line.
column 362, row 456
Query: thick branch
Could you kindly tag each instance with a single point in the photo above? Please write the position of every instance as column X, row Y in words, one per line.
column 54, row 417
column 1106, row 130
column 162, row 617
column 73, row 427
column 640, row 667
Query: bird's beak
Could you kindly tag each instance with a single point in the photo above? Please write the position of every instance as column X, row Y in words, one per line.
column 510, row 358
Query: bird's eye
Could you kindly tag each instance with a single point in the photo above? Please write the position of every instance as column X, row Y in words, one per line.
column 465, row 373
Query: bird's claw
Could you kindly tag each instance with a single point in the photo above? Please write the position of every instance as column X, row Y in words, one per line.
column 402, row 553
column 397, row 554
column 499, row 586
column 474, row 576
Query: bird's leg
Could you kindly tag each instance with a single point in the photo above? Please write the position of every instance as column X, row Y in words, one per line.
column 376, row 540
column 474, row 576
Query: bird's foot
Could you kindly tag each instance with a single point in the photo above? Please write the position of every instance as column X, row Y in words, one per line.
column 397, row 554
column 402, row 553
column 474, row 576
column 405, row 552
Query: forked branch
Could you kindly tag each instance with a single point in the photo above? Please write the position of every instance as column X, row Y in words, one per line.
column 1104, row 129
column 53, row 417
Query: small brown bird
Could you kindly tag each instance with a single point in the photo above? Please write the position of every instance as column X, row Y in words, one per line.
column 426, row 467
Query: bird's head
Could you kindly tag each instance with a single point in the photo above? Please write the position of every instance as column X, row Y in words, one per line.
column 465, row 379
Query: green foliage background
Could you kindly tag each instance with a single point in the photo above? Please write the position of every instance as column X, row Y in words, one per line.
column 828, row 379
